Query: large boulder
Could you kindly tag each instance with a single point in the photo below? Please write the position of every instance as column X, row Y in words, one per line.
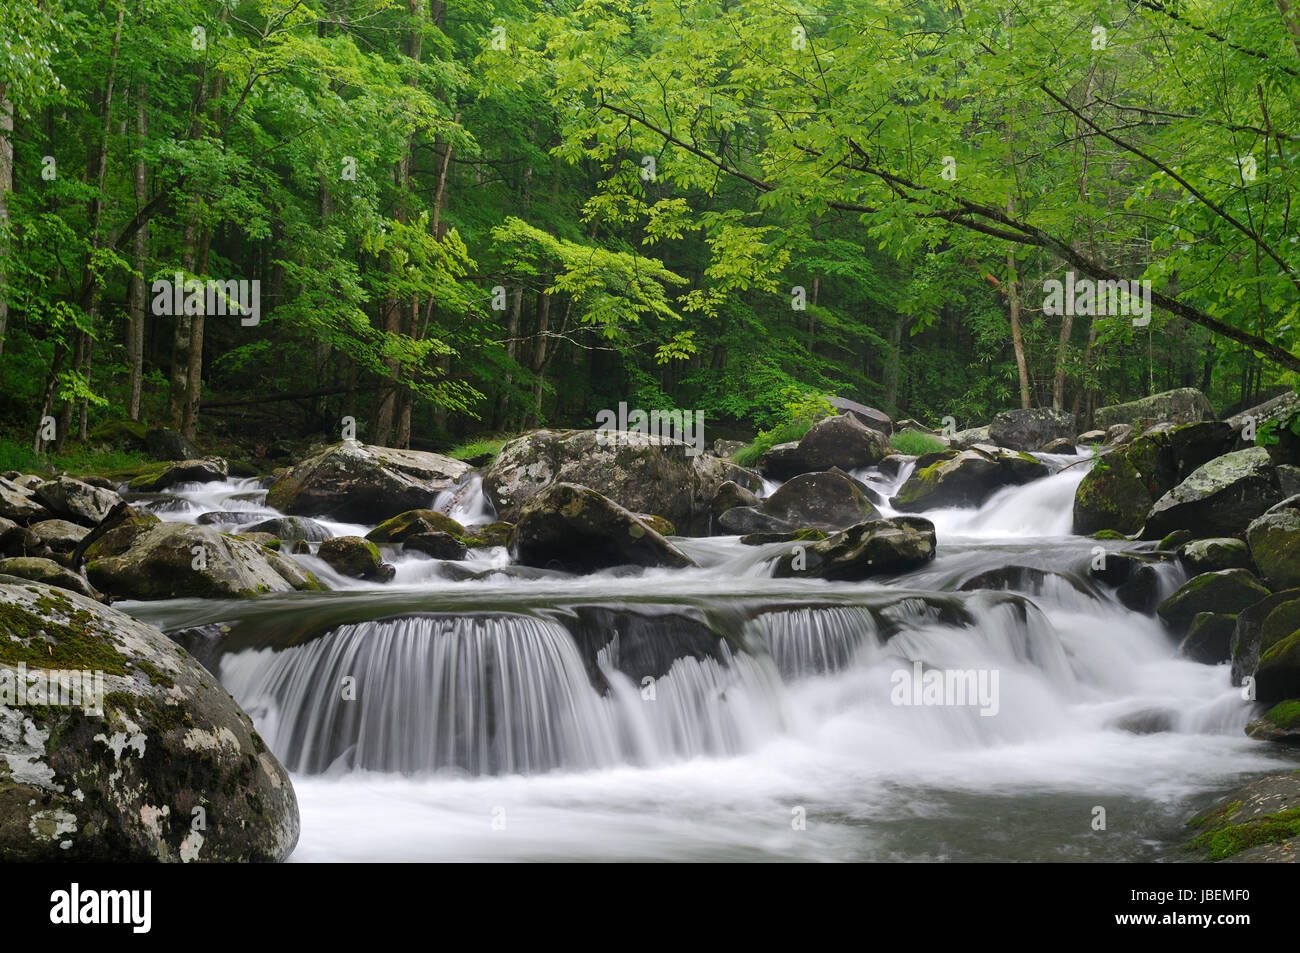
column 169, row 445
column 1209, row 638
column 843, row 442
column 874, row 548
column 19, row 504
column 358, row 483
column 1274, row 541
column 1031, row 428
column 46, row 571
column 206, row 470
column 1211, row 555
column 1257, row 823
column 156, row 763
column 1280, row 408
column 1248, row 637
column 60, row 535
column 1280, row 724
column 1227, row 591
column 1112, row 495
column 1182, row 406
column 828, row 501
column 869, row 416
column 640, row 472
column 965, row 477
column 576, row 529
column 76, row 501
column 1220, row 498
column 171, row 560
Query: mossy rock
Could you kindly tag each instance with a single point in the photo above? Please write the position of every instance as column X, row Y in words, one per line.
column 414, row 523
column 1280, row 724
column 1209, row 639
column 118, row 774
column 1228, row 591
column 355, row 557
column 1274, row 540
column 1112, row 496
column 1266, row 811
column 1212, row 555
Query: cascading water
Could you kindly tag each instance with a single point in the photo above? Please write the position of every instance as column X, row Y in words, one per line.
column 740, row 701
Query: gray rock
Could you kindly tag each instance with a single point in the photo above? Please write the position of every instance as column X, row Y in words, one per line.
column 206, row 470
column 829, row 500
column 19, row 504
column 76, row 501
column 868, row 416
column 436, row 545
column 877, row 547
column 46, row 571
column 842, row 441
column 291, row 528
column 1032, row 428
column 1118, row 434
column 1184, row 405
column 124, row 780
column 355, row 557
column 169, row 445
column 1249, row 636
column 1274, row 540
column 1220, row 498
column 363, row 484
column 642, row 473
column 730, row 495
column 171, row 560
column 1211, row 555
column 1209, row 639
column 964, row 478
column 60, row 535
column 576, row 529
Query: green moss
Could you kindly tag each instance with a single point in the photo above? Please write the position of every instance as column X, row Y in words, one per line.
column 79, row 641
column 1228, row 839
column 395, row 530
column 1285, row 714
column 1108, row 534
column 1175, row 539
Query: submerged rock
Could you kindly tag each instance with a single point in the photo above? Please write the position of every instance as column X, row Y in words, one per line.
column 641, row 473
column 574, row 528
column 127, row 779
column 358, row 483
column 874, row 548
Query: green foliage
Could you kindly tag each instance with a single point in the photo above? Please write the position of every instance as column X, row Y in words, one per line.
column 82, row 460
column 475, row 448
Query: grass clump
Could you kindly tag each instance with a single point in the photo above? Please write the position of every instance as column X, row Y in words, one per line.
column 477, row 447
column 85, row 459
column 915, row 443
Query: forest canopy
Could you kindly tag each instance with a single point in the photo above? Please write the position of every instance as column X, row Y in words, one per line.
column 469, row 219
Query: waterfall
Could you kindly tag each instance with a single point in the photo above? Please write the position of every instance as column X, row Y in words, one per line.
column 486, row 695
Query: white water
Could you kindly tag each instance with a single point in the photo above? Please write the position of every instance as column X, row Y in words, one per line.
column 482, row 737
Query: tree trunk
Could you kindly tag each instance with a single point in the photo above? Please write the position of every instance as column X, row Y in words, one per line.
column 139, row 252
column 6, row 186
column 893, row 363
column 539, row 354
column 1017, row 341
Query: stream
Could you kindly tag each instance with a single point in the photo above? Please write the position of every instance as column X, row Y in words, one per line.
column 719, row 714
